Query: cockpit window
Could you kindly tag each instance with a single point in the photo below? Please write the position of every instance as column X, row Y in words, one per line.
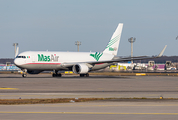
column 21, row 57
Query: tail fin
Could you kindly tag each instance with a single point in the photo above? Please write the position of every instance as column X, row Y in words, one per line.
column 113, row 44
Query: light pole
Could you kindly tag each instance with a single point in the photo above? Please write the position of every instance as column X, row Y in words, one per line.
column 78, row 43
column 15, row 46
column 132, row 40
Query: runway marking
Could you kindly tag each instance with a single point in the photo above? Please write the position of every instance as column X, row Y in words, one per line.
column 8, row 88
column 140, row 74
column 90, row 113
column 111, row 105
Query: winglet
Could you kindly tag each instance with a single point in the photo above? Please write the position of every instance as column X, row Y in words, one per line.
column 161, row 53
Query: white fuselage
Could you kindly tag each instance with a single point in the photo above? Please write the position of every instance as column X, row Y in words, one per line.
column 44, row 60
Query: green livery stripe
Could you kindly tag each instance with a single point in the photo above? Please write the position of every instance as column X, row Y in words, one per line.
column 96, row 55
column 114, row 40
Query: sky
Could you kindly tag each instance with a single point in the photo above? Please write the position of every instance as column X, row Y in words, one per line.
column 55, row 25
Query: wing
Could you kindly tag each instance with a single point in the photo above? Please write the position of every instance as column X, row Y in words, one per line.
column 116, row 59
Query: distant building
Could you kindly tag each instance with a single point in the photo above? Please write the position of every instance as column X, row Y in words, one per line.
column 8, row 67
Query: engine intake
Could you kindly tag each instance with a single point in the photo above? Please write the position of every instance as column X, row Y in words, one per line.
column 80, row 68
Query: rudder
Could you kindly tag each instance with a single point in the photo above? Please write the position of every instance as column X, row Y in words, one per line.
column 113, row 45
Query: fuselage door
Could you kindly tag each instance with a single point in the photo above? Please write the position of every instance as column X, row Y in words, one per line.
column 33, row 58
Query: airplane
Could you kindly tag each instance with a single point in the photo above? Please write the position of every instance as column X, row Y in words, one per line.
column 34, row 62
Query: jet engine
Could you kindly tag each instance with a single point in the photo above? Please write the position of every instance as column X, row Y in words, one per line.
column 34, row 71
column 80, row 68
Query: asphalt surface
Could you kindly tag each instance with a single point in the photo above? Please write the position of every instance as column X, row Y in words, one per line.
column 92, row 110
column 13, row 86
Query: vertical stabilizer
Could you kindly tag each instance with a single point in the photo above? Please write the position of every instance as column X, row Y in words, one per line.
column 113, row 44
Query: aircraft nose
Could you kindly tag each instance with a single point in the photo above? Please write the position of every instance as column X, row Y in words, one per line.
column 16, row 62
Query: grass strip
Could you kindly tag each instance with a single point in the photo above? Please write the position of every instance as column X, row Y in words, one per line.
column 45, row 101
column 72, row 100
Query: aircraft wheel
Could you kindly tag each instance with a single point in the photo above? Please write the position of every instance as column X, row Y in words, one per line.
column 82, row 75
column 59, row 75
column 56, row 75
column 24, row 75
column 87, row 75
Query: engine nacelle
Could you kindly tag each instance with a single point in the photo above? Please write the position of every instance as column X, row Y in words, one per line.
column 33, row 71
column 80, row 68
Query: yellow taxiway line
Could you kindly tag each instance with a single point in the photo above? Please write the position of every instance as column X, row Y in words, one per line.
column 8, row 88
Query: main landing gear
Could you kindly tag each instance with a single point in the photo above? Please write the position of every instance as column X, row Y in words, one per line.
column 56, row 74
column 84, row 75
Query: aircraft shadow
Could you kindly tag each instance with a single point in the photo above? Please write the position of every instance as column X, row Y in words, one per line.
column 66, row 77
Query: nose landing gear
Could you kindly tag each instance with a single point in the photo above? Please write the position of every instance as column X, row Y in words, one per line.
column 24, row 73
